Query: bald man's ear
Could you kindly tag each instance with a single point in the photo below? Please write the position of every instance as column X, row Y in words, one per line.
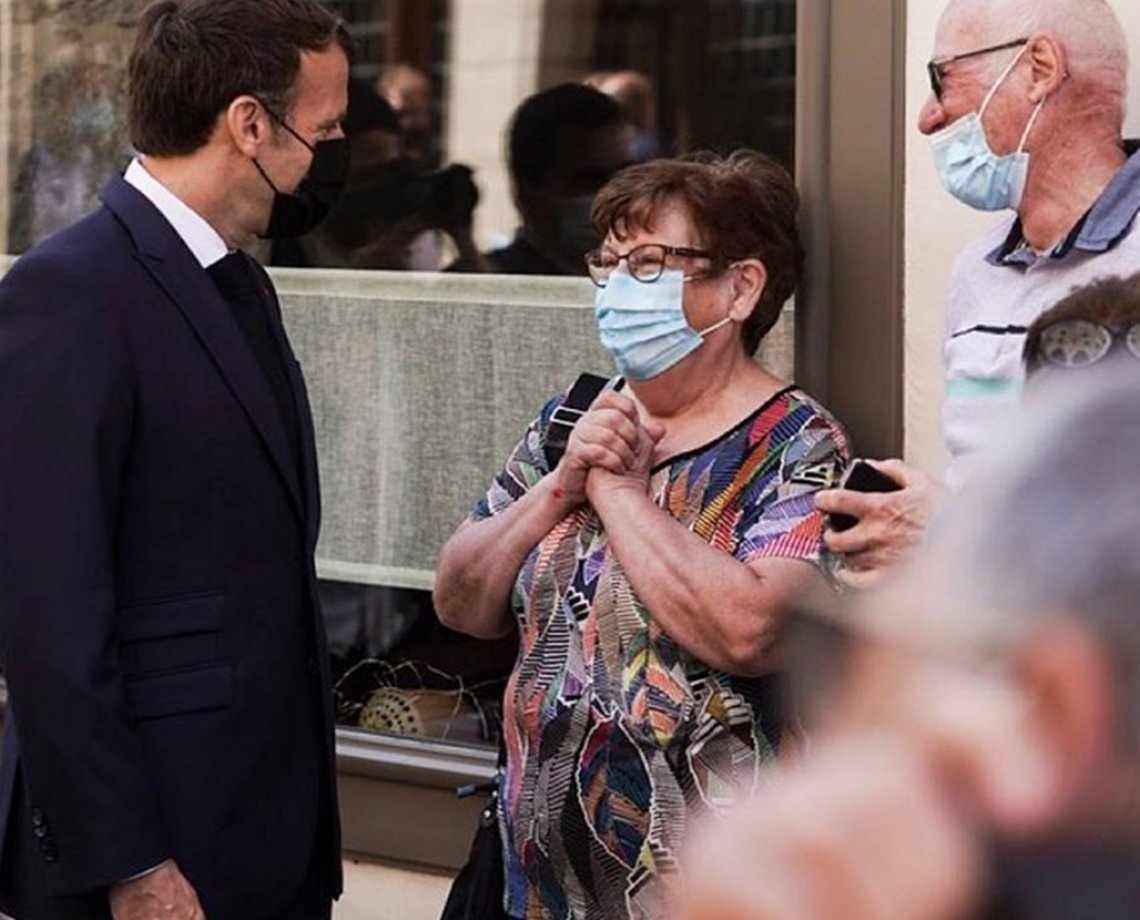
column 1049, row 67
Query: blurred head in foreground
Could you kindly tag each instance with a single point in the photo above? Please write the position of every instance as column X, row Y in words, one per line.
column 1093, row 326
column 974, row 725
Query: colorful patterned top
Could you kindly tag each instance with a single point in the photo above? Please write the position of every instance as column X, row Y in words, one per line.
column 614, row 733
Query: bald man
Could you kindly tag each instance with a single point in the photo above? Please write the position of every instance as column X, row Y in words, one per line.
column 1025, row 115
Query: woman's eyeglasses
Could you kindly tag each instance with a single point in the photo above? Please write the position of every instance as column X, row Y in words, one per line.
column 1073, row 343
column 646, row 263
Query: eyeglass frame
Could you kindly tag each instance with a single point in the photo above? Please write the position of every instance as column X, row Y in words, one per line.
column 934, row 67
column 1119, row 334
column 686, row 251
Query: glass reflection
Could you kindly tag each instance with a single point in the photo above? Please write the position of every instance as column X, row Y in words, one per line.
column 456, row 75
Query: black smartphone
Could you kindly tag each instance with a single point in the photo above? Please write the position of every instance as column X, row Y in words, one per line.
column 860, row 477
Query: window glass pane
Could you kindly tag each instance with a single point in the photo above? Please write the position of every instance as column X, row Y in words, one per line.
column 433, row 185
column 63, row 111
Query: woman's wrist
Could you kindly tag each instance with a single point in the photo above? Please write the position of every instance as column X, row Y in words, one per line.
column 608, row 491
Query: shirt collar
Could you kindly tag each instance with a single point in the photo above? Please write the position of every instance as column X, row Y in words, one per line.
column 200, row 238
column 1097, row 231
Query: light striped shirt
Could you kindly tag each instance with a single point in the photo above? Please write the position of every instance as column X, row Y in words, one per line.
column 998, row 287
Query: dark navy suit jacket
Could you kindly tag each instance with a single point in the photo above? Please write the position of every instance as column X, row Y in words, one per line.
column 159, row 628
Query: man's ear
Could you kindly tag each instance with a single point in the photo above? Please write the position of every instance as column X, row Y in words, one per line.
column 749, row 280
column 1072, row 726
column 247, row 125
column 1049, row 68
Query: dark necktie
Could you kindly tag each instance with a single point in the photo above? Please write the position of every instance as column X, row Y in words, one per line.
column 239, row 284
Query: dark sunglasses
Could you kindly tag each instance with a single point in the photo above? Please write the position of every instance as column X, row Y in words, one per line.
column 934, row 69
column 1071, row 343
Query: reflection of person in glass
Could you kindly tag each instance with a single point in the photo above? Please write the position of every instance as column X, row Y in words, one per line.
column 646, row 572
column 392, row 204
column 565, row 143
column 633, row 91
column 408, row 91
column 81, row 141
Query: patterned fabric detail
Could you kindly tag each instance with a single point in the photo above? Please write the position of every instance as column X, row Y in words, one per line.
column 615, row 735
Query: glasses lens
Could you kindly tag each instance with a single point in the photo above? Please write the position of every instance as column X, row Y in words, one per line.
column 1132, row 340
column 1074, row 343
column 646, row 263
column 600, row 263
column 935, row 76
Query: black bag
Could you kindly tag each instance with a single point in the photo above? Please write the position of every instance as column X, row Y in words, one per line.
column 477, row 892
column 578, row 399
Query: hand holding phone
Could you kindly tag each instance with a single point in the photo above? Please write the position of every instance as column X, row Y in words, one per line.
column 860, row 477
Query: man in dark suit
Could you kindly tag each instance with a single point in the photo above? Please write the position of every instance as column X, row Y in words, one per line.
column 169, row 747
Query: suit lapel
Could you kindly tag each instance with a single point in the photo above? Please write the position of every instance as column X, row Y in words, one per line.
column 177, row 272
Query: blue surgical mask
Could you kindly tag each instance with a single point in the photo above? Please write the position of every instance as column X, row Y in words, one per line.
column 643, row 326
column 968, row 167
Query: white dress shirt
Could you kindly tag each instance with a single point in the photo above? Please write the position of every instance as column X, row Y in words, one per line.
column 193, row 229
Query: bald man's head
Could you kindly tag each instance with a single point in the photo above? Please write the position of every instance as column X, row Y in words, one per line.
column 1090, row 35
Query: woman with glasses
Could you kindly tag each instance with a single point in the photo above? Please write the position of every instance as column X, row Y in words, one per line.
column 647, row 570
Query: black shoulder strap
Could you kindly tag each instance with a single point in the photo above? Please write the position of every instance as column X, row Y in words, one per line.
column 585, row 390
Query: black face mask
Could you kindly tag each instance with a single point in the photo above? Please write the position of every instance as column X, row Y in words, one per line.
column 296, row 214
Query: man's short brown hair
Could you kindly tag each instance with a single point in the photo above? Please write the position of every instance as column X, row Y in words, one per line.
column 742, row 206
column 1111, row 301
column 192, row 58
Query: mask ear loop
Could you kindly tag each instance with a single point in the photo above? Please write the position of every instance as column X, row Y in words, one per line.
column 715, row 326
column 719, row 323
column 1029, row 127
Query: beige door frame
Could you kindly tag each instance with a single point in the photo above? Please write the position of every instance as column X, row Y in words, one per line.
column 850, row 157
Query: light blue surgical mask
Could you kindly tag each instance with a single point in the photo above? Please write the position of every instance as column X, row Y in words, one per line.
column 968, row 167
column 643, row 326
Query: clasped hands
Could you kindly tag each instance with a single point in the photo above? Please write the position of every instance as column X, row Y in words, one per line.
column 611, row 448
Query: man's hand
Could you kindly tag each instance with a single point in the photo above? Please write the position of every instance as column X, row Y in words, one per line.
column 610, row 437
column 890, row 525
column 163, row 894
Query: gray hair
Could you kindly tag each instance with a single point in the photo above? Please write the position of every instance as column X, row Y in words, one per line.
column 1052, row 524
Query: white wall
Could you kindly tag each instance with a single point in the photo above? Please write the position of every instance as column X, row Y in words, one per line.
column 937, row 227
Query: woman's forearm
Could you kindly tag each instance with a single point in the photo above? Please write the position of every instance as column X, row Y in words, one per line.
column 478, row 566
column 720, row 610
